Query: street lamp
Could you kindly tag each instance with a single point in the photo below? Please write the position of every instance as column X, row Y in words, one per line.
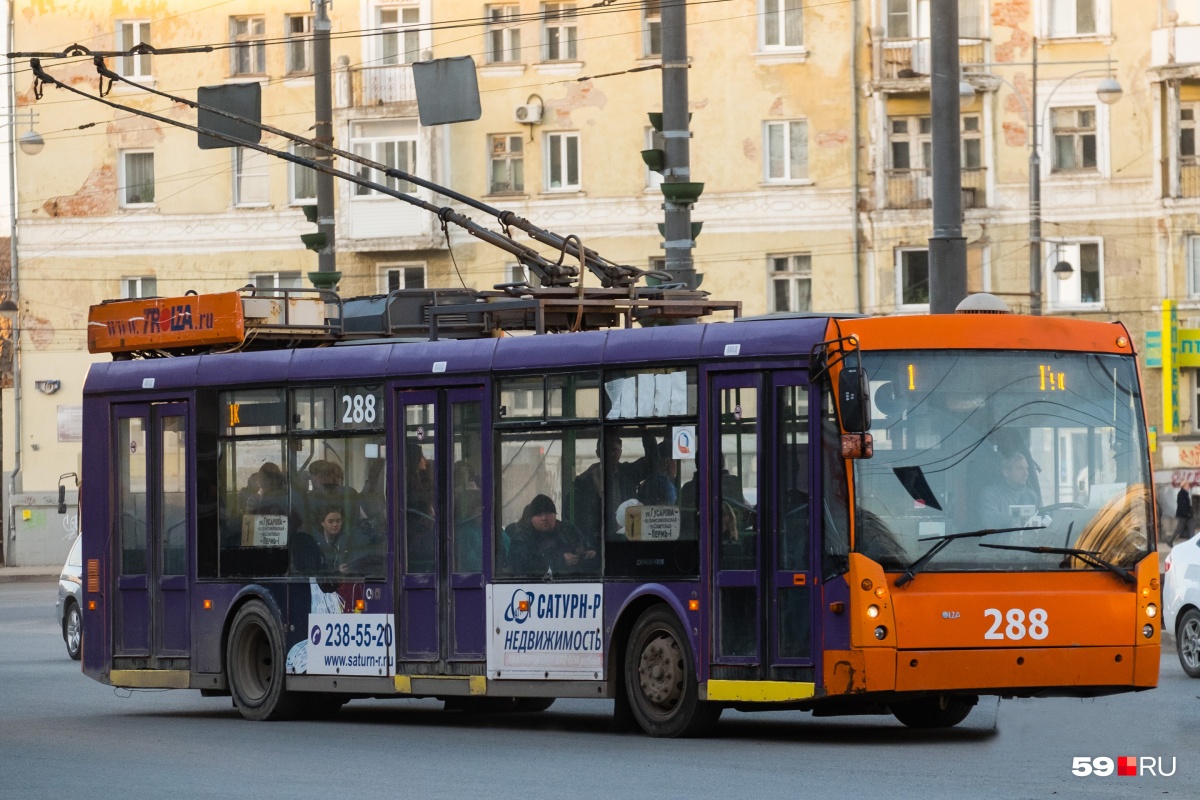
column 1108, row 92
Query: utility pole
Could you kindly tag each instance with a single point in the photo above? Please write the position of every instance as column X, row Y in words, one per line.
column 947, row 246
column 1035, row 195
column 677, row 205
column 326, row 276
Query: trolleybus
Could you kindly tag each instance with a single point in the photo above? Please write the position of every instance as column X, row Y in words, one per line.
column 299, row 501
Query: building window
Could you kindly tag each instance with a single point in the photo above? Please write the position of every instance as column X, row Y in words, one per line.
column 266, row 281
column 651, row 28
column 137, row 178
column 912, row 278
column 503, row 35
column 1193, row 266
column 654, row 141
column 1073, row 17
column 302, row 181
column 299, row 43
column 1074, row 138
column 251, row 177
column 400, row 42
column 562, row 160
column 519, row 273
column 911, row 142
column 1187, row 131
column 791, row 282
column 395, row 277
column 898, row 16
column 142, row 286
column 389, row 143
column 782, row 23
column 1085, row 285
column 787, row 150
column 970, row 19
column 558, row 32
column 129, row 35
column 972, row 143
column 506, row 164
column 249, row 51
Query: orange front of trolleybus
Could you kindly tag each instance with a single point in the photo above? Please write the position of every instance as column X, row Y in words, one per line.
column 1003, row 521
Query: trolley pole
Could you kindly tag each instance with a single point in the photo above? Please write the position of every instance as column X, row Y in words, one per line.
column 677, row 207
column 326, row 276
column 947, row 246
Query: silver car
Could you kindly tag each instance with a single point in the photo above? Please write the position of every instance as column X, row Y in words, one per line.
column 1181, row 602
column 70, row 595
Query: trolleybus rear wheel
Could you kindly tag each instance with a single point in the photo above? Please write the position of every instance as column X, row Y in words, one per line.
column 1187, row 642
column 660, row 678
column 934, row 712
column 254, row 662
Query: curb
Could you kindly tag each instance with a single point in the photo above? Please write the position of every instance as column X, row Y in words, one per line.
column 35, row 578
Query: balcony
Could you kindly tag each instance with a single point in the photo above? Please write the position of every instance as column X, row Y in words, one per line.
column 367, row 87
column 913, row 188
column 1177, row 44
column 911, row 59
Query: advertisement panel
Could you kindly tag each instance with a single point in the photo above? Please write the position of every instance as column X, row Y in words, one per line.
column 546, row 632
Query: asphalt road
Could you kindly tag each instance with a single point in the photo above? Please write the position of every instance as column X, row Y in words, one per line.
column 64, row 736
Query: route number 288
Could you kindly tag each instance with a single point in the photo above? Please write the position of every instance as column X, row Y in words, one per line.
column 1013, row 624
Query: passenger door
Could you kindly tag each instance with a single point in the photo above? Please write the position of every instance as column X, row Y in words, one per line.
column 761, row 548
column 443, row 521
column 153, row 513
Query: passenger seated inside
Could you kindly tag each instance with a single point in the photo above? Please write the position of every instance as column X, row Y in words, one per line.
column 540, row 544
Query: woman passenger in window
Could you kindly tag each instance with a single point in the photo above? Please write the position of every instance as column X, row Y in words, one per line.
column 542, row 544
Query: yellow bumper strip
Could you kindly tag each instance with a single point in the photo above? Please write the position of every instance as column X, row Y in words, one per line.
column 151, row 678
column 477, row 683
column 759, row 691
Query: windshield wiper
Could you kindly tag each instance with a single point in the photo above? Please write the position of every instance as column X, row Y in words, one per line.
column 912, row 569
column 1088, row 556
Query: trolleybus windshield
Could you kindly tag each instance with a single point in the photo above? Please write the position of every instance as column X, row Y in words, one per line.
column 1045, row 449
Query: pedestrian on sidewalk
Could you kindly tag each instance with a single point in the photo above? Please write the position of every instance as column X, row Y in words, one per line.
column 1183, row 514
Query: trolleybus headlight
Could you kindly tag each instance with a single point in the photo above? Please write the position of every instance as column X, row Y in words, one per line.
column 1152, row 610
column 880, row 632
column 872, row 611
column 1147, row 630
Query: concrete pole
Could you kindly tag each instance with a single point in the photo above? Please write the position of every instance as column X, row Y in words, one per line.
column 947, row 246
column 678, row 216
column 327, row 276
column 1035, row 197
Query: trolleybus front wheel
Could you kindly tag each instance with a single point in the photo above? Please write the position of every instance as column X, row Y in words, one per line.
column 934, row 712
column 254, row 663
column 660, row 678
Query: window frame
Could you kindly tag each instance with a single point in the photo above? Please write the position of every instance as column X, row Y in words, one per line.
column 260, row 171
column 282, row 279
column 788, row 156
column 1056, row 254
column 799, row 271
column 1079, row 134
column 1055, row 25
column 135, row 286
column 502, row 37
column 563, row 140
column 294, row 174
column 516, row 180
column 563, row 21
column 401, row 268
column 652, row 29
column 123, row 186
column 519, row 273
column 900, row 269
column 653, row 140
column 252, row 43
column 298, row 42
column 131, row 67
column 779, row 11
column 405, row 34
column 1192, row 256
column 359, row 143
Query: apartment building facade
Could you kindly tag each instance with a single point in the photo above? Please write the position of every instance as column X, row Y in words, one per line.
column 811, row 133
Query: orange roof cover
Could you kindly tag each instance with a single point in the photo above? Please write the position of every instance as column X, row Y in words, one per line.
column 156, row 323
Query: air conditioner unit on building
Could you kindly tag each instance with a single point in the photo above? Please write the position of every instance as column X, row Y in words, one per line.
column 528, row 114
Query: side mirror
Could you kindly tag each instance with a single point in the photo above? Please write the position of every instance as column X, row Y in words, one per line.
column 62, row 499
column 854, row 399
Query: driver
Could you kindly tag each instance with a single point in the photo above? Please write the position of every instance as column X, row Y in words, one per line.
column 1010, row 501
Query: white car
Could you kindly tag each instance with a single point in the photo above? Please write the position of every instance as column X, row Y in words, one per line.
column 1181, row 602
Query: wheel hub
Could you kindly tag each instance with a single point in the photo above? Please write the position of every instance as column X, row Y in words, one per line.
column 660, row 672
column 1189, row 643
